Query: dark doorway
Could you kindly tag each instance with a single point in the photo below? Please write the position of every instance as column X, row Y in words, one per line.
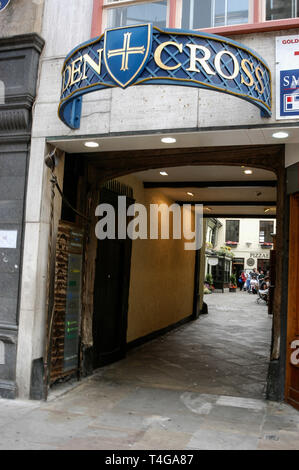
column 263, row 265
column 238, row 267
column 111, row 292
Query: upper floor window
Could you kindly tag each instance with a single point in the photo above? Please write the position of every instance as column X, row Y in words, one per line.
column 282, row 9
column 124, row 13
column 232, row 231
column 266, row 231
column 198, row 14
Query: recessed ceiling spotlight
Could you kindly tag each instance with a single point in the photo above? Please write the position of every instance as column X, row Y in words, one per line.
column 267, row 210
column 190, row 194
column 91, row 144
column 163, row 173
column 208, row 209
column 168, row 140
column 280, row 135
column 248, row 172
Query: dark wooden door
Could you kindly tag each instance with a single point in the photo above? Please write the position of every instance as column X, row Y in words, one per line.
column 292, row 366
column 111, row 292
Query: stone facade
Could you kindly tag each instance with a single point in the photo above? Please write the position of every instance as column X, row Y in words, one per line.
column 19, row 57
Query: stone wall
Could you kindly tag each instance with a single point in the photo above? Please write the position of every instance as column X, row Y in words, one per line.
column 21, row 17
column 19, row 57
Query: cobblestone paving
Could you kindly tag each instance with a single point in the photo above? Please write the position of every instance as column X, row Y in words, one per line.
column 199, row 387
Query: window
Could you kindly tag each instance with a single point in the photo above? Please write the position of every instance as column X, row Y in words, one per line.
column 209, row 234
column 266, row 228
column 280, row 9
column 198, row 14
column 137, row 13
column 232, row 231
column 214, row 236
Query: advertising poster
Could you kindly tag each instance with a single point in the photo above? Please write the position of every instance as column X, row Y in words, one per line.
column 287, row 77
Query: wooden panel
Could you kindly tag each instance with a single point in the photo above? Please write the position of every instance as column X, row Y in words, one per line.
column 292, row 366
column 111, row 292
column 118, row 163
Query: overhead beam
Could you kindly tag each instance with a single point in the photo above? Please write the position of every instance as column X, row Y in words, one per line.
column 239, row 216
column 118, row 163
column 231, row 203
column 210, row 184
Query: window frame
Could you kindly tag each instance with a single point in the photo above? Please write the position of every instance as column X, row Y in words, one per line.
column 273, row 228
column 123, row 3
column 294, row 8
column 257, row 22
column 250, row 15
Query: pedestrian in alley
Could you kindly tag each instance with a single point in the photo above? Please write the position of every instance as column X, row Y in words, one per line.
column 261, row 275
column 264, row 288
column 254, row 284
column 248, row 279
column 242, row 280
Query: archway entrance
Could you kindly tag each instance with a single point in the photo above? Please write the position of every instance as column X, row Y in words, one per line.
column 102, row 167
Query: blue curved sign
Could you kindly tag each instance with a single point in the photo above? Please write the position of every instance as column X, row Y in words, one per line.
column 3, row 4
column 143, row 54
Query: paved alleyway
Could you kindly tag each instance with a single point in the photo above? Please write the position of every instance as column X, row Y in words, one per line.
column 225, row 352
column 199, row 387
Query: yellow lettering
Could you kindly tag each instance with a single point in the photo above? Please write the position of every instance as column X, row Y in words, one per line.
column 96, row 67
column 247, row 72
column 159, row 50
column 65, row 83
column 201, row 60
column 217, row 63
column 259, row 75
column 76, row 70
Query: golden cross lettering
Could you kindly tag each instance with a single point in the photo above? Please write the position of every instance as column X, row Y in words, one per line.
column 126, row 51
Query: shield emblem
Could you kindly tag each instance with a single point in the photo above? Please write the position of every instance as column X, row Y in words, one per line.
column 3, row 4
column 126, row 52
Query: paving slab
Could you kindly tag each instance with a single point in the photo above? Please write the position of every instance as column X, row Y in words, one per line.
column 201, row 386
